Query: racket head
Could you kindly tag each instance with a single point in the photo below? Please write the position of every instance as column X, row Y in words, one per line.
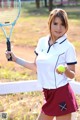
column 9, row 12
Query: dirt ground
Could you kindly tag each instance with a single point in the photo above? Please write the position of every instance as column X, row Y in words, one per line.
column 24, row 52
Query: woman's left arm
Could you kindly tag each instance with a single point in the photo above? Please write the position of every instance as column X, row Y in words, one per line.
column 70, row 71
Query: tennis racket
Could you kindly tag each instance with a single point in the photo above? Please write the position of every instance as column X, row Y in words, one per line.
column 9, row 14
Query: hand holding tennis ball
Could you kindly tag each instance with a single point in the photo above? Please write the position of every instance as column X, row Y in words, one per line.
column 61, row 69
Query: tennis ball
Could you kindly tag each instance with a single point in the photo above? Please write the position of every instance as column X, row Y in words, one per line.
column 61, row 68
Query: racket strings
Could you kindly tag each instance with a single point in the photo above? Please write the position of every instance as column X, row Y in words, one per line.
column 8, row 11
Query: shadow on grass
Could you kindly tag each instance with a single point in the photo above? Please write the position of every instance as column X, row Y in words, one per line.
column 73, row 12
column 29, row 9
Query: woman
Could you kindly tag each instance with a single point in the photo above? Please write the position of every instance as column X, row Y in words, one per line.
column 51, row 51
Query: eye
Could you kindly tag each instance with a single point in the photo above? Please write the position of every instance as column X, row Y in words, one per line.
column 55, row 23
column 62, row 24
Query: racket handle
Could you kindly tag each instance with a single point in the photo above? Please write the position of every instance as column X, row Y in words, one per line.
column 9, row 49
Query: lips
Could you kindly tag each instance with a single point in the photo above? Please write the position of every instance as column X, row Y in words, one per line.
column 58, row 32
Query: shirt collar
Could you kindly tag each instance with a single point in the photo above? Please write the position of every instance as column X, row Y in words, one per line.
column 61, row 39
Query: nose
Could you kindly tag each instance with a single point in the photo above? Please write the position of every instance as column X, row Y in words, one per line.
column 59, row 27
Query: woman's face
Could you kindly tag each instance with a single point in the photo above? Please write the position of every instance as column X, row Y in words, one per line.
column 57, row 28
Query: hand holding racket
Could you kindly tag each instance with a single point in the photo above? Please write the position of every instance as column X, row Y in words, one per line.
column 9, row 14
column 13, row 56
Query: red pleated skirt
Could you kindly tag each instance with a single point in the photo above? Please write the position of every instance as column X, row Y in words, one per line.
column 59, row 101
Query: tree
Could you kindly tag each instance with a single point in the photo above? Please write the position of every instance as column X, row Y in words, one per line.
column 45, row 2
column 37, row 3
column 50, row 5
column 61, row 2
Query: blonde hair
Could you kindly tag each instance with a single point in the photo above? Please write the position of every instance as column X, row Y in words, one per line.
column 58, row 13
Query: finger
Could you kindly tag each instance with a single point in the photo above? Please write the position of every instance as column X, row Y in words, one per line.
column 8, row 52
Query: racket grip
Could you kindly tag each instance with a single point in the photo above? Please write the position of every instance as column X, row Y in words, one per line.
column 9, row 49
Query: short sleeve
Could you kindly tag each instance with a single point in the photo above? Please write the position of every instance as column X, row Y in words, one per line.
column 71, row 56
column 38, row 48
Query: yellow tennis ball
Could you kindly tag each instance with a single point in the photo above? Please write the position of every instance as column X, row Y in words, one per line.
column 61, row 68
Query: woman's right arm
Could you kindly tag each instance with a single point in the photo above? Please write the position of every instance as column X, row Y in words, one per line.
column 22, row 62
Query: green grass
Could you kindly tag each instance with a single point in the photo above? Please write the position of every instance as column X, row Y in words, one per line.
column 29, row 9
column 22, row 106
column 10, row 73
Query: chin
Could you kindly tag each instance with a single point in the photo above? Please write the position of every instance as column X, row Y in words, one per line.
column 57, row 37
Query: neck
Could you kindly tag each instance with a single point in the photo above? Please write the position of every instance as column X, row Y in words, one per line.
column 51, row 41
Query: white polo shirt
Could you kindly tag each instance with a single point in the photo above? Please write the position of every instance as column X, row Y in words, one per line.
column 49, row 57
